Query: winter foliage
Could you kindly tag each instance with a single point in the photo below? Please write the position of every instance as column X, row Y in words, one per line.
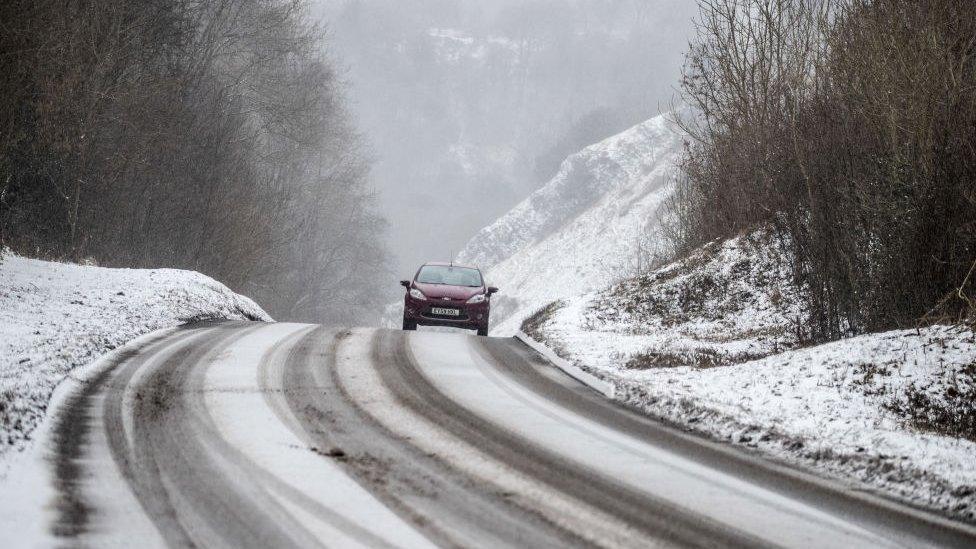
column 208, row 135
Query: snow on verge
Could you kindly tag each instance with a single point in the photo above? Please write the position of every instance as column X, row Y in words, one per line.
column 56, row 317
column 726, row 303
column 710, row 343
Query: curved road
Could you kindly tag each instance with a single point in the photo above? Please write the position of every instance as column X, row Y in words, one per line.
column 280, row 435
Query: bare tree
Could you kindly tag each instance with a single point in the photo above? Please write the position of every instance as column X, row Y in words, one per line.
column 206, row 135
column 848, row 126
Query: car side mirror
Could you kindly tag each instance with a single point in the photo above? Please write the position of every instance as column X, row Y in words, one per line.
column 405, row 283
column 492, row 290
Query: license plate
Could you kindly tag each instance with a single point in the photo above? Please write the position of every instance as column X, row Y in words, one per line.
column 445, row 312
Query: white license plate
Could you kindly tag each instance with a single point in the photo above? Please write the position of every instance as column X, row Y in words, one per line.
column 445, row 312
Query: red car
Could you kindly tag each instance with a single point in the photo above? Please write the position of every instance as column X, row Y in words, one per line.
column 444, row 294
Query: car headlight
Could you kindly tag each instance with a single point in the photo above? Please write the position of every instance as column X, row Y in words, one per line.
column 417, row 294
column 480, row 298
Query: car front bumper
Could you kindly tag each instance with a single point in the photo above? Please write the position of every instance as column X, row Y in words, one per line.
column 471, row 316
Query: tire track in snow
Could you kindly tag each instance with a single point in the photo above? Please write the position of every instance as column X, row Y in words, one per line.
column 160, row 441
column 171, row 421
column 597, row 498
column 248, row 435
column 446, row 505
column 905, row 524
column 70, row 434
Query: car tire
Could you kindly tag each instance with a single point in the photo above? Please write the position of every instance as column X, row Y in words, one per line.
column 483, row 332
column 409, row 325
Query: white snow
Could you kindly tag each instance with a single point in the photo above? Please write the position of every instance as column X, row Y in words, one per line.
column 710, row 343
column 601, row 386
column 26, row 512
column 56, row 317
column 584, row 229
column 728, row 302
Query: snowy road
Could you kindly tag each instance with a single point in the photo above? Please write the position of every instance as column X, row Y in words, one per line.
column 278, row 435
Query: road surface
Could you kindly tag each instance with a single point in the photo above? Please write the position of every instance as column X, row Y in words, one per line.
column 282, row 435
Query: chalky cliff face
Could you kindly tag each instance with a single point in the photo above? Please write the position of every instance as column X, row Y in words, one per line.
column 592, row 224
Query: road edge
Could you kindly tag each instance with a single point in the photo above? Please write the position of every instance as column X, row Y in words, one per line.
column 27, row 475
column 821, row 479
column 605, row 388
column 73, row 383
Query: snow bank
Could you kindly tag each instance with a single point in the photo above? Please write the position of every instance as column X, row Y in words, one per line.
column 584, row 229
column 711, row 343
column 55, row 317
column 840, row 407
column 726, row 303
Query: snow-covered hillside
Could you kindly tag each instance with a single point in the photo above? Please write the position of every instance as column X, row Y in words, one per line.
column 56, row 317
column 586, row 228
column 727, row 303
column 711, row 343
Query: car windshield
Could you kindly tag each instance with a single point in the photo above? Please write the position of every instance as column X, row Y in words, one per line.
column 453, row 276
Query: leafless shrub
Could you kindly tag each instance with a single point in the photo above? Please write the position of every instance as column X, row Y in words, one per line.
column 849, row 126
column 702, row 358
column 948, row 409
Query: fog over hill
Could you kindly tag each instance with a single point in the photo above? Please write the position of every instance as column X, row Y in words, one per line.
column 470, row 106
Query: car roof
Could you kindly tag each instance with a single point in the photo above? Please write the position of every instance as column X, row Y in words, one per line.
column 444, row 264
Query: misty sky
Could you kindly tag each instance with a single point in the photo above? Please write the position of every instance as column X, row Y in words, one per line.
column 469, row 105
